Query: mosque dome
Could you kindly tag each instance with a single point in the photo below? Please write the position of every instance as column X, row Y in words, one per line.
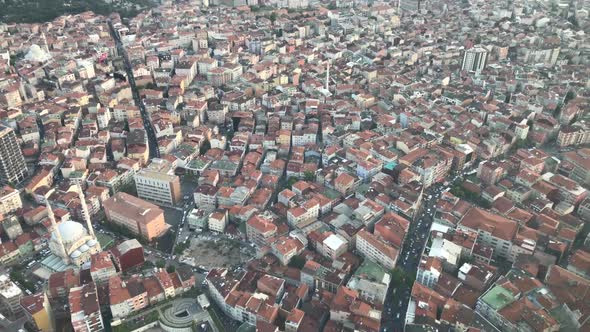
column 84, row 248
column 70, row 231
column 75, row 254
column 91, row 243
column 37, row 54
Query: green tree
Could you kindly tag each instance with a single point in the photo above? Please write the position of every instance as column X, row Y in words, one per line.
column 400, row 278
column 171, row 268
column 297, row 262
column 161, row 264
column 273, row 17
column 205, row 147
column 179, row 249
column 309, row 176
column 291, row 181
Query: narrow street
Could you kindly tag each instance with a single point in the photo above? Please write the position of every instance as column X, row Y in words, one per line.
column 151, row 135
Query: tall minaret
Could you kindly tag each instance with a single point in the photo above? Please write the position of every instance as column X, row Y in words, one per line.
column 328, row 76
column 60, row 241
column 45, row 42
column 85, row 211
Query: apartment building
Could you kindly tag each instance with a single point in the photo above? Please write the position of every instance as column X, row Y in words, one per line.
column 217, row 221
column 157, row 183
column 492, row 230
column 429, row 271
column 85, row 309
column 285, row 248
column 10, row 200
column 12, row 163
column 259, row 230
column 10, row 296
column 38, row 310
column 580, row 160
column 578, row 133
column 126, row 296
column 376, row 249
column 101, row 267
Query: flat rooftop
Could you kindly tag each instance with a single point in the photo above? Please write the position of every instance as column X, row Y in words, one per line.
column 498, row 297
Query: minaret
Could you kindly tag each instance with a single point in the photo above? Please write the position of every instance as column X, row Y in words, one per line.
column 60, row 241
column 45, row 42
column 85, row 212
column 328, row 76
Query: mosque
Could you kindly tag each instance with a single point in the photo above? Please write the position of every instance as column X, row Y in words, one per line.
column 70, row 241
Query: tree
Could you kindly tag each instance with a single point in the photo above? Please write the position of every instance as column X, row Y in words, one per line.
column 273, row 17
column 401, row 278
column 161, row 264
column 291, row 181
column 179, row 249
column 297, row 262
column 397, row 276
column 171, row 268
column 569, row 96
column 309, row 176
column 553, row 7
column 205, row 147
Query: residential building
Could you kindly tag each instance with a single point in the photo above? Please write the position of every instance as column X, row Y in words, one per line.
column 10, row 200
column 580, row 160
column 10, row 296
column 493, row 230
column 579, row 263
column 376, row 249
column 285, row 248
column 218, row 221
column 259, row 230
column 371, row 281
column 333, row 246
column 85, row 309
column 474, row 59
column 126, row 296
column 294, row 320
column 101, row 267
column 429, row 271
column 39, row 312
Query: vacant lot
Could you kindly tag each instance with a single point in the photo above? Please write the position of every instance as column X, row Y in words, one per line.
column 217, row 252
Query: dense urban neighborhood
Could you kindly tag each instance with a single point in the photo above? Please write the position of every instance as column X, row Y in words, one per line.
column 295, row 165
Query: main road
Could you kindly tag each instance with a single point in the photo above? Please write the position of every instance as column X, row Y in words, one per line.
column 397, row 298
column 149, row 129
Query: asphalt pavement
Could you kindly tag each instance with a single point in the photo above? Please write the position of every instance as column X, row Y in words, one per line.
column 149, row 129
column 396, row 301
column 397, row 298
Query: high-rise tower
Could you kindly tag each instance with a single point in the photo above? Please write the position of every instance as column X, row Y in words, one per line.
column 12, row 163
column 475, row 59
